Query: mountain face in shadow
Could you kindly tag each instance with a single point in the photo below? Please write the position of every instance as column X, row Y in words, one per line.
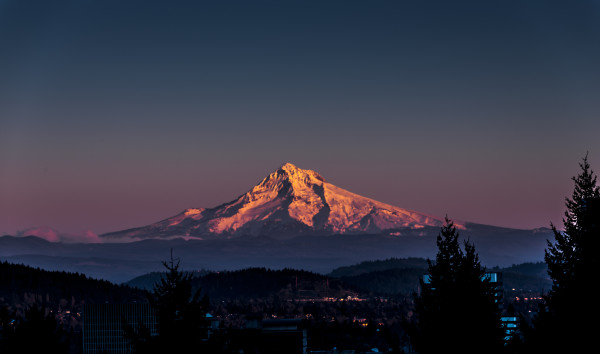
column 288, row 202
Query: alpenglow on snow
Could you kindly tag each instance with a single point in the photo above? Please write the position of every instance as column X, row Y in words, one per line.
column 288, row 202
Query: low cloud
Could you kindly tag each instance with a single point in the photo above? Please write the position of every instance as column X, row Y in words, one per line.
column 52, row 235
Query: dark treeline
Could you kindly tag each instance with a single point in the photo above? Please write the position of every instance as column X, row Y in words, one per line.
column 20, row 285
column 379, row 265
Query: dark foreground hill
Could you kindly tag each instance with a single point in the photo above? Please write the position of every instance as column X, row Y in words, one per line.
column 21, row 286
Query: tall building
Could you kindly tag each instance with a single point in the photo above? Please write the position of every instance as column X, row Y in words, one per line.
column 496, row 279
column 103, row 326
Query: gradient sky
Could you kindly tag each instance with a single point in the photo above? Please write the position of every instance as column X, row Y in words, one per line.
column 116, row 114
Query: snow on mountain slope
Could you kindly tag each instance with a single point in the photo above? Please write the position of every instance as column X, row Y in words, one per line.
column 288, row 202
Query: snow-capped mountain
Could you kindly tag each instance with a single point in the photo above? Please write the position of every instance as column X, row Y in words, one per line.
column 288, row 202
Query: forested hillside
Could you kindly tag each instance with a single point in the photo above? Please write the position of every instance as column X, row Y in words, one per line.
column 21, row 285
column 379, row 265
column 390, row 277
column 396, row 276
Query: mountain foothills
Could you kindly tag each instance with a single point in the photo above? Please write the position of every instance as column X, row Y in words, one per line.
column 288, row 202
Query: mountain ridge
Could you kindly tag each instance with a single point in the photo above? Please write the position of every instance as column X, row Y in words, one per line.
column 288, row 202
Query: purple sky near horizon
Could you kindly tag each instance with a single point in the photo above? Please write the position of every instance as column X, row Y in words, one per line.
column 118, row 115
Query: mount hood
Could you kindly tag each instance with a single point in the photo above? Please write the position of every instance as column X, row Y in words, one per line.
column 288, row 202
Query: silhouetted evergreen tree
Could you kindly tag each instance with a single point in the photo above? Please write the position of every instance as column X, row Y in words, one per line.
column 456, row 310
column 181, row 316
column 569, row 322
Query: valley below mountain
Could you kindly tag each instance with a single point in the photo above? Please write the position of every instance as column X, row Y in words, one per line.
column 119, row 262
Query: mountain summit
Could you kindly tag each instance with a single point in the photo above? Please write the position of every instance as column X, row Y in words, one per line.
column 288, row 202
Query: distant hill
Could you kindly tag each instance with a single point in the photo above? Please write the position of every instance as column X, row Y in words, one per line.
column 147, row 281
column 254, row 283
column 390, row 277
column 379, row 265
column 401, row 276
column 532, row 277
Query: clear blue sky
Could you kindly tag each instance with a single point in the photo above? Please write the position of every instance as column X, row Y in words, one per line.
column 115, row 114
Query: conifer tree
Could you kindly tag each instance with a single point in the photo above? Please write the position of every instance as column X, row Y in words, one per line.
column 573, row 263
column 180, row 312
column 574, row 253
column 456, row 310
